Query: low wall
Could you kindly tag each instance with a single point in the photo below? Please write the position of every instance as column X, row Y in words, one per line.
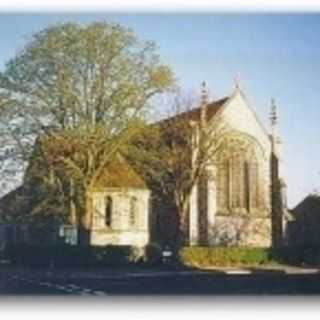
column 132, row 238
column 241, row 231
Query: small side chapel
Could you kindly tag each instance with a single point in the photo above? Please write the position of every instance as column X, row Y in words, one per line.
column 117, row 211
column 119, row 207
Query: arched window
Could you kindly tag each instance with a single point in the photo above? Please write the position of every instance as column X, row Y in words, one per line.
column 133, row 211
column 236, row 181
column 108, row 211
column 240, row 184
column 254, row 185
column 246, row 186
column 223, row 185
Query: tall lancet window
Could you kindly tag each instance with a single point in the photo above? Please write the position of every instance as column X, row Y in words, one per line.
column 246, row 186
column 254, row 185
column 133, row 211
column 108, row 211
column 236, row 182
column 224, row 171
column 242, row 191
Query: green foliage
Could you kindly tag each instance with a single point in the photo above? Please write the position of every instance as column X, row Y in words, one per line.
column 45, row 256
column 74, row 73
column 77, row 256
column 112, row 255
column 223, row 256
column 242, row 256
column 91, row 83
column 153, row 254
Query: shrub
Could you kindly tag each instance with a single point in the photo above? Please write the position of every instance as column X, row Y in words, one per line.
column 223, row 256
column 71, row 256
column 153, row 254
column 104, row 256
column 137, row 254
column 40, row 256
column 111, row 255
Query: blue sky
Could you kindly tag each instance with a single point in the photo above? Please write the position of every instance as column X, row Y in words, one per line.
column 276, row 56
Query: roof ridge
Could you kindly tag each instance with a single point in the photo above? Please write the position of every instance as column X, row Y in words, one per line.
column 212, row 108
column 119, row 170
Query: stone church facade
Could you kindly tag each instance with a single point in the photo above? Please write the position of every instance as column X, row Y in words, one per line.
column 242, row 199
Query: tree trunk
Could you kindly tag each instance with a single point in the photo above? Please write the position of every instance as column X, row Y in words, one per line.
column 80, row 214
column 182, row 210
column 73, row 210
column 83, row 236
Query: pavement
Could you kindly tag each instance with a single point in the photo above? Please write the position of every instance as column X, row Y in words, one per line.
column 271, row 280
column 284, row 269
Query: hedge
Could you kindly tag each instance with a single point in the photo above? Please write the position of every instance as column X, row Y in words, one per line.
column 71, row 256
column 223, row 256
column 103, row 256
column 245, row 256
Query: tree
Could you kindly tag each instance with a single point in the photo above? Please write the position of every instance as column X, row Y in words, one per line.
column 70, row 74
column 12, row 157
column 71, row 161
column 176, row 153
column 82, row 90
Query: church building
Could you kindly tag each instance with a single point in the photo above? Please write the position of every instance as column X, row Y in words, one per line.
column 241, row 201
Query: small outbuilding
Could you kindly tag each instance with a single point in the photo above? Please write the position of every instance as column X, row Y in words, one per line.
column 119, row 205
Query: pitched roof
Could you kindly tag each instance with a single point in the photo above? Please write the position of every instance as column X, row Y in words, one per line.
column 309, row 206
column 12, row 204
column 118, row 174
column 194, row 114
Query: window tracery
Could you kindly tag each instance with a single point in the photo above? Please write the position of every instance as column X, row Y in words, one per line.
column 239, row 178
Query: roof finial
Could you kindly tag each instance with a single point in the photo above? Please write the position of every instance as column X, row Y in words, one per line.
column 204, row 93
column 204, row 102
column 236, row 80
column 273, row 114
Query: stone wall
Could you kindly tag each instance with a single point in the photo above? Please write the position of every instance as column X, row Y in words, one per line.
column 240, row 231
column 120, row 232
column 137, row 238
column 249, row 226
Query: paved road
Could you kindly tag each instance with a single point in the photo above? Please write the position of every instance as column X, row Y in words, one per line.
column 30, row 282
